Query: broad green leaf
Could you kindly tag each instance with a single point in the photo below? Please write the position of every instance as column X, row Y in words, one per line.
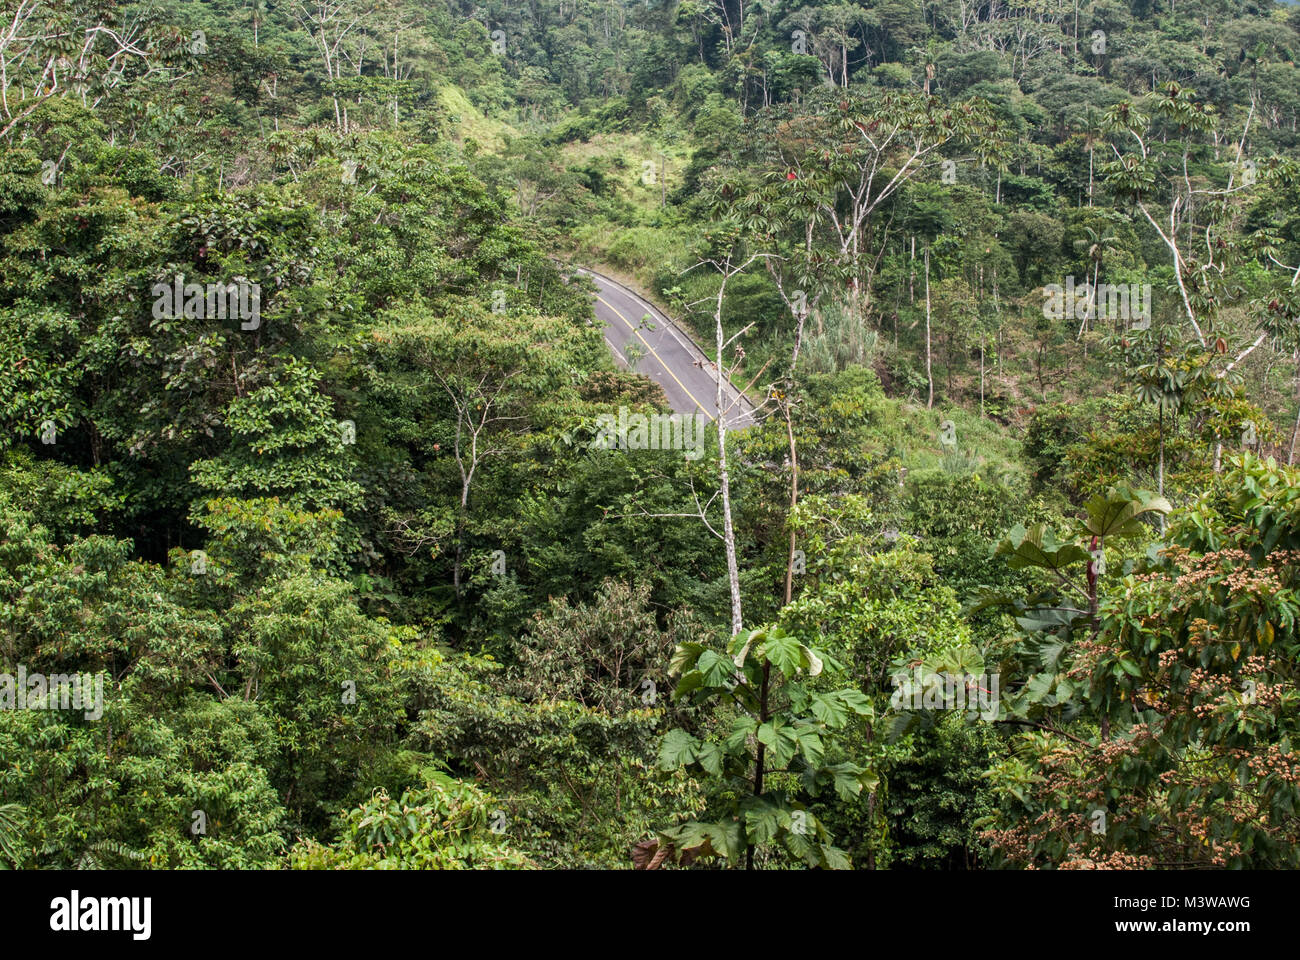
column 850, row 779
column 857, row 701
column 783, row 651
column 829, row 709
column 677, row 749
column 1116, row 515
column 810, row 743
column 741, row 730
column 710, row 756
column 716, row 670
column 833, row 858
column 1039, row 686
column 1038, row 547
column 684, row 657
column 780, row 740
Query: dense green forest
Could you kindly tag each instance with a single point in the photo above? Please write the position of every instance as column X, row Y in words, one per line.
column 312, row 555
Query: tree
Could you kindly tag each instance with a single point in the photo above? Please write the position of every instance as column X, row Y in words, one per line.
column 778, row 731
column 444, row 825
column 1094, row 244
column 1188, row 684
column 58, row 48
column 494, row 371
column 844, row 156
column 1134, row 175
column 334, row 27
column 1171, row 380
column 1093, row 123
column 726, row 268
column 287, row 442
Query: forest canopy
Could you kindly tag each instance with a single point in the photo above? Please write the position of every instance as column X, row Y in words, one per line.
column 315, row 548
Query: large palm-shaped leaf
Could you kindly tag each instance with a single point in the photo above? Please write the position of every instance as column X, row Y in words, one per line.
column 1038, row 547
column 1117, row 515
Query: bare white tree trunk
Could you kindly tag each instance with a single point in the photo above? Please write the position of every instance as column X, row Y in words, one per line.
column 1290, row 456
column 724, row 476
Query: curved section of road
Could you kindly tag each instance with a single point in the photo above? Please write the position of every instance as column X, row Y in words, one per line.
column 637, row 331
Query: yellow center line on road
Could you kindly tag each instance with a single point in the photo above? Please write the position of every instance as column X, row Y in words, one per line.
column 655, row 354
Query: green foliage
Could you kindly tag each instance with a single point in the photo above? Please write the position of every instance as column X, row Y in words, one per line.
column 11, row 823
column 1186, row 677
column 287, row 444
column 761, row 669
column 363, row 593
column 444, row 825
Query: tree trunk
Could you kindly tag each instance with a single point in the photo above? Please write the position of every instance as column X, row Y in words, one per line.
column 1090, row 171
column 1290, row 456
column 929, row 374
column 1160, row 475
column 728, row 530
column 997, row 307
column 760, row 755
column 460, row 535
column 911, row 276
column 794, row 499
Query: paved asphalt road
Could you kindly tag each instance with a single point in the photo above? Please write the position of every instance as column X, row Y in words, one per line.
column 666, row 354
